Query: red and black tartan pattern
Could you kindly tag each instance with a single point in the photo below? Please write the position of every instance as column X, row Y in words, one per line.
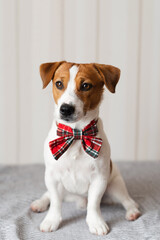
column 90, row 143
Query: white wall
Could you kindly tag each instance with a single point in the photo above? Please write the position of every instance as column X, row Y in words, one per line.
column 118, row 32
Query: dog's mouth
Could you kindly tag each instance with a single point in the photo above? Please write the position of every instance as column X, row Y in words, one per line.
column 73, row 118
column 67, row 119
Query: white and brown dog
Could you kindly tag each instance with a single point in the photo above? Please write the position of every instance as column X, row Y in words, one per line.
column 78, row 176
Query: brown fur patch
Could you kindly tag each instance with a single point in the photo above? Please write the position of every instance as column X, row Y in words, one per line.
column 110, row 75
column 88, row 74
column 47, row 71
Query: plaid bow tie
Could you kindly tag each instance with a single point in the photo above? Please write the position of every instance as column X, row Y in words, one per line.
column 90, row 143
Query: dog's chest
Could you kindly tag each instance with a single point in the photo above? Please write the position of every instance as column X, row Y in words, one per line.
column 77, row 169
column 74, row 181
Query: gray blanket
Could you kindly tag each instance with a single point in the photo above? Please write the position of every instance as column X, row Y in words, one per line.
column 20, row 185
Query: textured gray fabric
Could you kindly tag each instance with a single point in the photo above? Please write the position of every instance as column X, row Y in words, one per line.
column 20, row 185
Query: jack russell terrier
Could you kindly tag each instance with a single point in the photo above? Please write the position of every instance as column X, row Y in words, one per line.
column 76, row 150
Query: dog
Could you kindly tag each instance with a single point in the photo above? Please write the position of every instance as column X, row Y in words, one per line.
column 76, row 150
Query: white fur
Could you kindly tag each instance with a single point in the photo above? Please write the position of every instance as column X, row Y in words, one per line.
column 77, row 176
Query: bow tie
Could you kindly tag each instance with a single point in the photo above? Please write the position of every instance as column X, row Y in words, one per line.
column 90, row 143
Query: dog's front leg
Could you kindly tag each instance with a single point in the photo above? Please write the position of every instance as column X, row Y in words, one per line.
column 53, row 218
column 94, row 218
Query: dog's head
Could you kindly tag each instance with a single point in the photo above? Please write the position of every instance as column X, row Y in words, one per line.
column 78, row 88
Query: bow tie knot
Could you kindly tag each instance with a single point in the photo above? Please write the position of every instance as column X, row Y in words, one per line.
column 90, row 143
column 77, row 134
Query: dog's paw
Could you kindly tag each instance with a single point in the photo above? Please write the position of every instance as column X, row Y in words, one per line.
column 38, row 206
column 132, row 214
column 49, row 225
column 97, row 226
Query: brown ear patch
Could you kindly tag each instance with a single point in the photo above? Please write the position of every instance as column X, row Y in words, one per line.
column 110, row 75
column 47, row 71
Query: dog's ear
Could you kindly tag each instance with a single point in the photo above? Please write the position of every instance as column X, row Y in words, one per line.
column 47, row 71
column 110, row 75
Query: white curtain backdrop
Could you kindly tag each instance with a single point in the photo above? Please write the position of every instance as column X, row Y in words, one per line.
column 117, row 32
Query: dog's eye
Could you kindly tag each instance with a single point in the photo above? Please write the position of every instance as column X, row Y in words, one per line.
column 86, row 86
column 59, row 85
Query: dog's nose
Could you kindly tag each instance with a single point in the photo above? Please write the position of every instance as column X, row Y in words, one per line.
column 67, row 110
